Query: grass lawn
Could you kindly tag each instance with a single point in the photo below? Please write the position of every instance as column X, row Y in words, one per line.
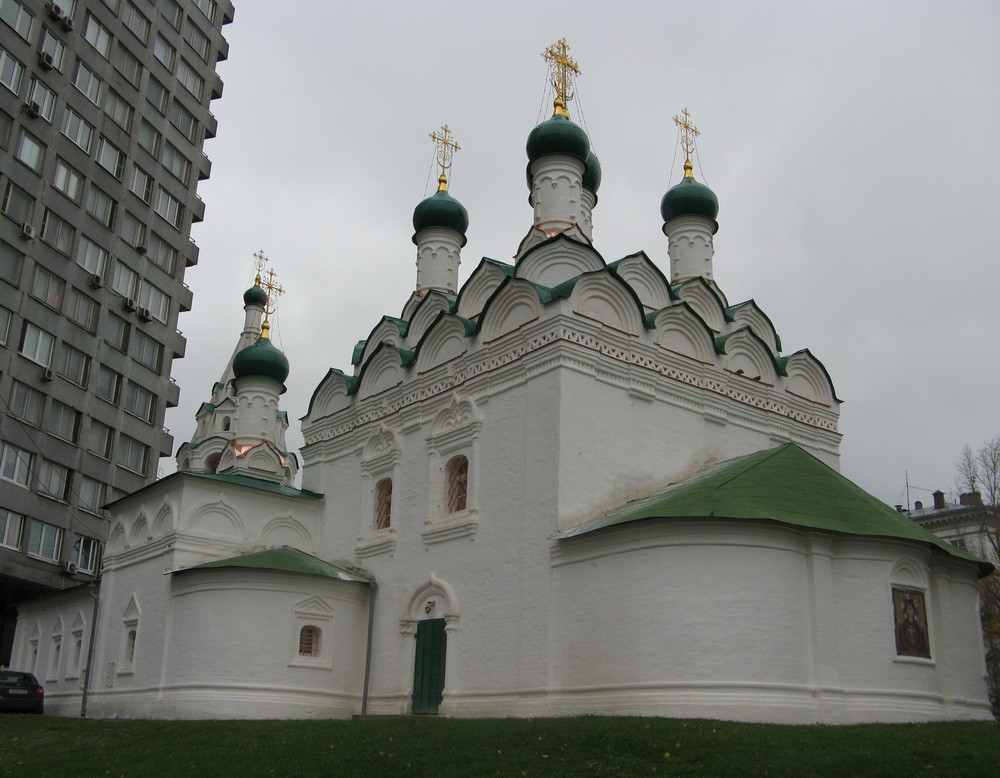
column 420, row 746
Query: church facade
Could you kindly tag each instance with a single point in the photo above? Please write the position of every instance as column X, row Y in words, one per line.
column 567, row 486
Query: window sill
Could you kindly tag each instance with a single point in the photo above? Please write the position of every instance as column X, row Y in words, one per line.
column 381, row 541
column 463, row 524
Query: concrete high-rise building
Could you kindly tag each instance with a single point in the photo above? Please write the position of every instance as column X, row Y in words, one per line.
column 104, row 109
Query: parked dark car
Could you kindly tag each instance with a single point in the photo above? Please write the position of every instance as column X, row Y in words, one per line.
column 20, row 692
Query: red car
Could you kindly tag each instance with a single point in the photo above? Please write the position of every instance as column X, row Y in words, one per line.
column 20, row 692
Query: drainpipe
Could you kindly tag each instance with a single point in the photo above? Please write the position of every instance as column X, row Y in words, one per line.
column 94, row 591
column 372, row 591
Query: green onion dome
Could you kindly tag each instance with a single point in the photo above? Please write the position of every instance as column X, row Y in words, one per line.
column 440, row 210
column 592, row 173
column 255, row 295
column 261, row 360
column 689, row 198
column 558, row 135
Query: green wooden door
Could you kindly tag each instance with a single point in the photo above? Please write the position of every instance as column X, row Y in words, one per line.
column 428, row 666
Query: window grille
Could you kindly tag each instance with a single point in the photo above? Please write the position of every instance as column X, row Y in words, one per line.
column 309, row 641
column 383, row 503
column 458, row 484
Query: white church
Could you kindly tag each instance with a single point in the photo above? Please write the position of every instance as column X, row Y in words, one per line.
column 568, row 486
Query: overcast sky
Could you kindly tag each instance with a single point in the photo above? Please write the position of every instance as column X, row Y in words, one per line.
column 853, row 147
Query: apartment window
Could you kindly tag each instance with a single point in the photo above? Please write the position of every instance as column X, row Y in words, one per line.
column 90, row 256
column 164, row 52
column 141, row 184
column 43, row 97
column 10, row 263
column 109, row 384
column 5, row 317
column 190, row 79
column 146, row 350
column 57, row 232
column 182, row 119
column 100, row 205
column 138, row 401
column 125, row 280
column 6, row 124
column 68, row 181
column 116, row 107
column 309, row 639
column 458, row 483
column 11, row 526
column 31, row 152
column 132, row 454
column 110, row 157
column 90, row 493
column 155, row 299
column 52, row 479
column 113, row 5
column 15, row 464
column 149, row 138
column 207, row 7
column 77, row 129
column 88, row 83
column 63, row 421
column 100, row 439
column 11, row 72
column 176, row 162
column 26, row 403
column 196, row 39
column 81, row 309
column 169, row 207
column 172, row 13
column 116, row 332
column 162, row 253
column 74, row 365
column 156, row 94
column 135, row 21
column 383, row 503
column 44, row 540
column 126, row 64
column 37, row 344
column 47, row 287
column 16, row 16
column 133, row 231
column 85, row 554
column 97, row 35
column 54, row 47
column 17, row 204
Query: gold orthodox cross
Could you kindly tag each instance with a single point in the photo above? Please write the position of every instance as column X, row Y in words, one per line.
column 273, row 290
column 445, row 147
column 688, row 133
column 563, row 70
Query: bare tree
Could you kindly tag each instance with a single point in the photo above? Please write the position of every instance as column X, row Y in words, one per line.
column 979, row 471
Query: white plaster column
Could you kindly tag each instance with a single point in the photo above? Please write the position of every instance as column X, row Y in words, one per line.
column 257, row 408
column 587, row 201
column 439, row 254
column 690, row 247
column 557, row 192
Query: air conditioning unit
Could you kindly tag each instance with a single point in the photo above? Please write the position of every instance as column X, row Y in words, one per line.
column 45, row 60
column 96, row 282
column 67, row 23
column 141, row 249
column 55, row 11
column 145, row 314
column 32, row 109
column 47, row 374
column 70, row 568
column 129, row 304
column 27, row 231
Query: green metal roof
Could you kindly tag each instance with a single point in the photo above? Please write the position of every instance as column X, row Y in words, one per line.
column 258, row 483
column 784, row 484
column 285, row 559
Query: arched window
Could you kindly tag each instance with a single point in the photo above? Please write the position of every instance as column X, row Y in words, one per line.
column 226, row 422
column 129, row 648
column 309, row 641
column 458, row 483
column 383, row 503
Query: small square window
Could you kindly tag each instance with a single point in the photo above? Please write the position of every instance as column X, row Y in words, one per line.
column 57, row 232
column 37, row 344
column 48, row 287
